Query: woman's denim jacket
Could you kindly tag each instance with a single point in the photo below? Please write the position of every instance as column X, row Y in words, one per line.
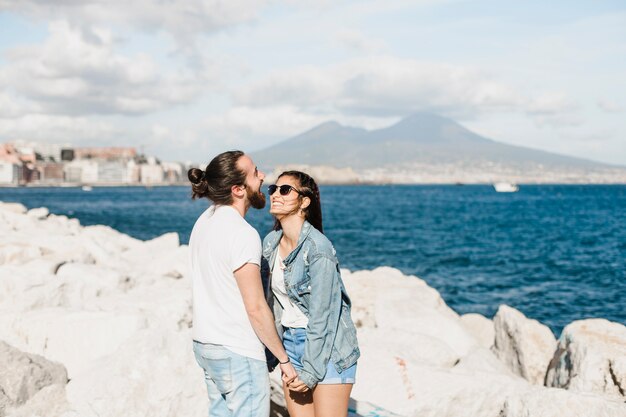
column 313, row 283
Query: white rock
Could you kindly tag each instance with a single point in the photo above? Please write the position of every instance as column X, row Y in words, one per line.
column 13, row 207
column 18, row 253
column 411, row 389
column 171, row 313
column 115, row 312
column 543, row 402
column 42, row 266
column 591, row 357
column 410, row 347
column 98, row 279
column 61, row 244
column 107, row 244
column 38, row 213
column 483, row 360
column 170, row 263
column 407, row 311
column 50, row 401
column 152, row 374
column 525, row 346
column 480, row 327
column 362, row 290
column 155, row 247
column 110, row 238
column 31, row 285
column 74, row 338
column 22, row 375
column 14, row 221
column 34, row 285
column 64, row 222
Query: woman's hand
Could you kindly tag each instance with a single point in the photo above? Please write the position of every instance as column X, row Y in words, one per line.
column 297, row 385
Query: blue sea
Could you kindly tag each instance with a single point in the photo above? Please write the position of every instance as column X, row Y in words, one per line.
column 555, row 252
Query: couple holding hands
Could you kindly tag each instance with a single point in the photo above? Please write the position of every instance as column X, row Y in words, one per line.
column 281, row 302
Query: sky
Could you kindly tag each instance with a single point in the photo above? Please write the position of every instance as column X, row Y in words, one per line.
column 186, row 79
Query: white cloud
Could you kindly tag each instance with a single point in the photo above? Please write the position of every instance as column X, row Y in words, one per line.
column 61, row 129
column 84, row 82
column 554, row 109
column 609, row 106
column 559, row 120
column 184, row 19
column 386, row 86
column 13, row 107
column 244, row 126
column 551, row 103
column 356, row 41
column 307, row 87
column 160, row 132
column 78, row 72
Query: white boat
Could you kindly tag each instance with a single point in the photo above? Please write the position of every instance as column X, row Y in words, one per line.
column 87, row 188
column 505, row 187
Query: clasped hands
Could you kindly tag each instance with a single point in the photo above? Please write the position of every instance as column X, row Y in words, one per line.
column 291, row 379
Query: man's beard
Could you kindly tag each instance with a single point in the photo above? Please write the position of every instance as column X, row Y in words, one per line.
column 256, row 198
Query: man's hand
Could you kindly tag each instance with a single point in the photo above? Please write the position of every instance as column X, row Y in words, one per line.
column 298, row 386
column 288, row 372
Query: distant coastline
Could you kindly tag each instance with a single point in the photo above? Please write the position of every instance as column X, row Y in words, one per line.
column 94, row 185
column 621, row 181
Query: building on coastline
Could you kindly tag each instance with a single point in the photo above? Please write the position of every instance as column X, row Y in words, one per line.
column 151, row 172
column 112, row 153
column 10, row 173
column 25, row 152
column 81, row 171
column 26, row 162
column 112, row 172
column 11, row 165
column 33, row 162
column 41, row 151
column 173, row 172
column 133, row 171
column 50, row 172
column 73, row 173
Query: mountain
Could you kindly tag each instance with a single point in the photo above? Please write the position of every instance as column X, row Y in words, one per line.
column 313, row 147
column 423, row 138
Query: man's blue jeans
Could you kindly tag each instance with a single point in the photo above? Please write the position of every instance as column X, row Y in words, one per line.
column 238, row 386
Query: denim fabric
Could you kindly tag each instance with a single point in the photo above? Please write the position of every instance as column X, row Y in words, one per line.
column 313, row 282
column 294, row 340
column 237, row 386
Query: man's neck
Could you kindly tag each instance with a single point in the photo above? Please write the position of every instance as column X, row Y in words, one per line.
column 240, row 207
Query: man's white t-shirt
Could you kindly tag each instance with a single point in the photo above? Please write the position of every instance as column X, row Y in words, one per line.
column 222, row 242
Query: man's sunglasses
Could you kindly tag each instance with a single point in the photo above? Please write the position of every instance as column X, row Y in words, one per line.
column 284, row 189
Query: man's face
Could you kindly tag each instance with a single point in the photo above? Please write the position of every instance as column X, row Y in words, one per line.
column 254, row 181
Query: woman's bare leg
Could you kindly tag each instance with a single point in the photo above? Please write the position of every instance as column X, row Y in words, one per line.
column 299, row 404
column 331, row 400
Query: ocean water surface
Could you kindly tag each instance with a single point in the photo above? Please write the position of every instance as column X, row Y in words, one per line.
column 555, row 252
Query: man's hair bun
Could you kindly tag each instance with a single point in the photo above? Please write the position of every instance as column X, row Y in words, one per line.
column 196, row 175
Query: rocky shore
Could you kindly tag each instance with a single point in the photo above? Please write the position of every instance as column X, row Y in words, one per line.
column 96, row 323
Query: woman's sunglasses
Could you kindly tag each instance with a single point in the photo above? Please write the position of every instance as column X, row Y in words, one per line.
column 284, row 189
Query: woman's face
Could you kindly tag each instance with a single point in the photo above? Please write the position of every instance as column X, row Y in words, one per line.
column 284, row 205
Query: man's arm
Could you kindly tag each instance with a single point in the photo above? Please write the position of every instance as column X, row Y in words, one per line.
column 261, row 318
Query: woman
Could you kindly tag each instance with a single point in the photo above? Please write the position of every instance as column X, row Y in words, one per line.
column 310, row 303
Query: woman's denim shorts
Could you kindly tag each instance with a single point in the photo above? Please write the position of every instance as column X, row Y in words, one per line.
column 294, row 339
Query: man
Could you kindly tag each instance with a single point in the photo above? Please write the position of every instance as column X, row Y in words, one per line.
column 231, row 318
